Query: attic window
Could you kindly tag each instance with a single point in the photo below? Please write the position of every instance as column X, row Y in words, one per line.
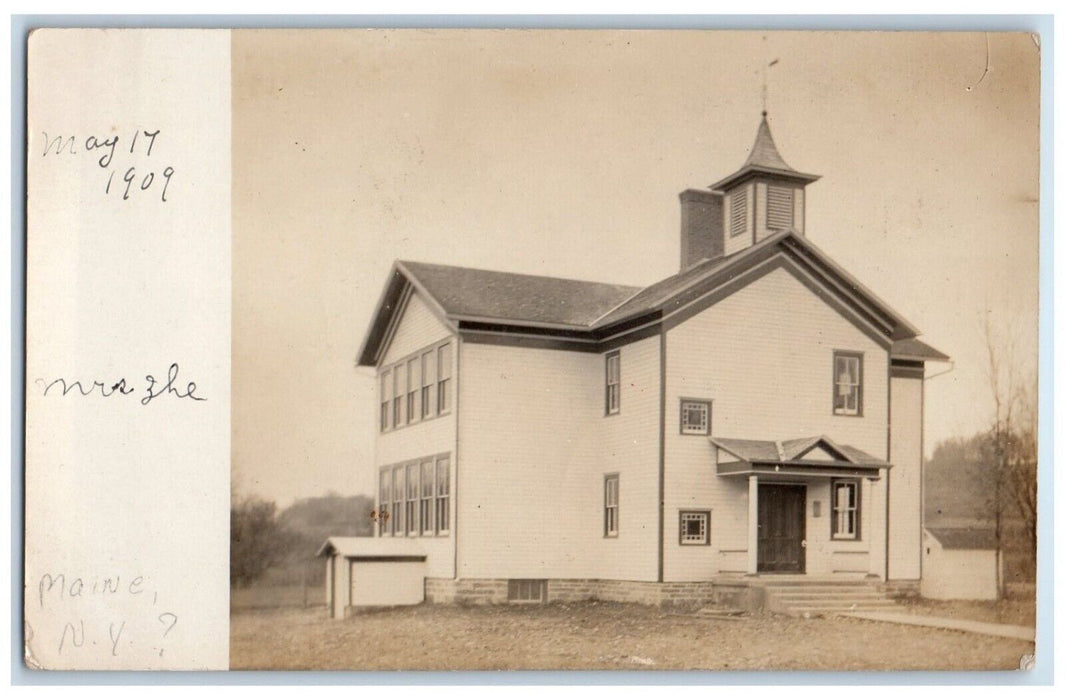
column 780, row 207
column 738, row 213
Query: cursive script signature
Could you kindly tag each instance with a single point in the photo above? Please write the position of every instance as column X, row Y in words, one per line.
column 154, row 389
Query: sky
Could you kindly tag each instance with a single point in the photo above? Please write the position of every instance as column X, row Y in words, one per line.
column 562, row 153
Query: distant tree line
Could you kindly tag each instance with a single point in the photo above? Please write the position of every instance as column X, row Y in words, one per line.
column 281, row 544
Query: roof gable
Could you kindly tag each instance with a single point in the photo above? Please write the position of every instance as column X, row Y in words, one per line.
column 588, row 314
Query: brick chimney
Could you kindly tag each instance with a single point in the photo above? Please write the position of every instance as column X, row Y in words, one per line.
column 701, row 226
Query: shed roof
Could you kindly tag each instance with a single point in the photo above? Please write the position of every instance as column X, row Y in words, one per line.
column 370, row 548
column 964, row 537
column 914, row 349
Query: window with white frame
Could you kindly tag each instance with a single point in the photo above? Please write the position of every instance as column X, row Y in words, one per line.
column 386, row 399
column 398, row 392
column 694, row 417
column 613, row 382
column 413, row 389
column 695, row 527
column 425, row 514
column 443, row 495
column 384, row 501
column 610, row 505
column 443, row 382
column 398, row 491
column 411, row 503
column 846, row 509
column 414, row 497
column 428, row 374
column 847, row 383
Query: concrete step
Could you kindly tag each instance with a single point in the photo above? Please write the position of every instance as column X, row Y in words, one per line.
column 802, row 583
column 825, row 595
column 801, row 611
column 787, row 592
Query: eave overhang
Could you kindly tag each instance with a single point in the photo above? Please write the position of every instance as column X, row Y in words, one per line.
column 800, row 469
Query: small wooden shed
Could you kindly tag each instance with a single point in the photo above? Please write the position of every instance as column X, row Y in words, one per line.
column 959, row 563
column 367, row 571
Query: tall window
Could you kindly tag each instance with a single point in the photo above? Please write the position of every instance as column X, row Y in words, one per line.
column 846, row 509
column 613, row 382
column 413, row 387
column 443, row 495
column 398, row 490
column 847, row 384
column 384, row 501
column 425, row 515
column 694, row 417
column 386, row 398
column 412, row 499
column 428, row 374
column 397, row 396
column 443, row 383
column 610, row 506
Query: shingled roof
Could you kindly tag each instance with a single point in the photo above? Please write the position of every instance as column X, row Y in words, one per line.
column 964, row 537
column 764, row 158
column 787, row 451
column 488, row 295
column 590, row 312
column 914, row 349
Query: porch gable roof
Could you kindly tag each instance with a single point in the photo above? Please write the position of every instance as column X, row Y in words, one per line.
column 790, row 458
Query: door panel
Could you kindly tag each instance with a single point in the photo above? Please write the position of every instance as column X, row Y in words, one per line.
column 781, row 528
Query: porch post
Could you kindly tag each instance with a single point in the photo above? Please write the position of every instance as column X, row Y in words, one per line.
column 752, row 524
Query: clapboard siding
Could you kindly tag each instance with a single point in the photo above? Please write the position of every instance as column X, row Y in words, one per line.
column 535, row 446
column 629, row 445
column 905, row 532
column 418, row 328
column 764, row 357
column 528, row 499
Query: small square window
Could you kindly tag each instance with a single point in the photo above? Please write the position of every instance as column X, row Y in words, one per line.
column 694, row 417
column 695, row 527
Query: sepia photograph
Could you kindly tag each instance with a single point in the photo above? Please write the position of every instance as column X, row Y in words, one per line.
column 634, row 350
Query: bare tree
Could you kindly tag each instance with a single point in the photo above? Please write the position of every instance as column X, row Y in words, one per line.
column 1010, row 446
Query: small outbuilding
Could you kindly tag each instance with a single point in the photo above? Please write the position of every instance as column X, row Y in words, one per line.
column 366, row 572
column 959, row 563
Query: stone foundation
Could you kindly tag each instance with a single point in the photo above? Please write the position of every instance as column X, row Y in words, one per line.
column 494, row 591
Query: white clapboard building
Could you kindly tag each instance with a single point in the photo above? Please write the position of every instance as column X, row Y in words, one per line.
column 755, row 417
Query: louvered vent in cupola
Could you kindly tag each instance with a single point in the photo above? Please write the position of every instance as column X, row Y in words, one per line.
column 738, row 213
column 780, row 207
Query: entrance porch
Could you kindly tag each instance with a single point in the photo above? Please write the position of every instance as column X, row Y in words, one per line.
column 814, row 507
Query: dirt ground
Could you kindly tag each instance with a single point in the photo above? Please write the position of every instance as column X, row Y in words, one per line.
column 596, row 635
column 1006, row 612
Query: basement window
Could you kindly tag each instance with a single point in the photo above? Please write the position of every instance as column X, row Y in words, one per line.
column 526, row 590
